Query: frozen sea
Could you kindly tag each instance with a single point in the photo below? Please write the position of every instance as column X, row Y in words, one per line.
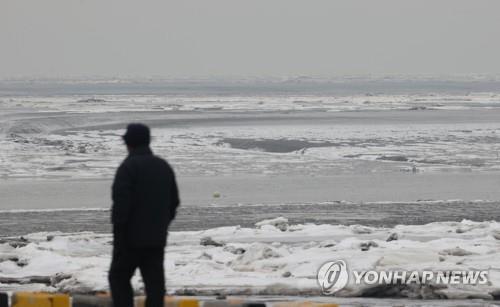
column 381, row 154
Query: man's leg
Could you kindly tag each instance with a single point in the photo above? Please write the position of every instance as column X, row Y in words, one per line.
column 151, row 266
column 122, row 268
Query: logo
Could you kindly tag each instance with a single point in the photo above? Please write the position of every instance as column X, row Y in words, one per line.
column 333, row 276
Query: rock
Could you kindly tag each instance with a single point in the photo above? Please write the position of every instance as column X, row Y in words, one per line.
column 22, row 262
column 208, row 241
column 457, row 251
column 286, row 274
column 393, row 158
column 411, row 291
column 326, row 244
column 10, row 258
column 26, row 280
column 365, row 246
column 234, row 250
column 392, row 237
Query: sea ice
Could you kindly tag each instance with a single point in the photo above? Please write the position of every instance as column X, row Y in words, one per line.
column 267, row 259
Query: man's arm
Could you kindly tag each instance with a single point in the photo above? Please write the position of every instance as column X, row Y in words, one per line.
column 175, row 197
column 122, row 195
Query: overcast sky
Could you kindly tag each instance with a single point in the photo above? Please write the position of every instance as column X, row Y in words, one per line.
column 57, row 38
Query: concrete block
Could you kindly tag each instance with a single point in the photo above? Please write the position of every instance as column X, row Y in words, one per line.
column 92, row 301
column 171, row 301
column 303, row 304
column 223, row 303
column 35, row 299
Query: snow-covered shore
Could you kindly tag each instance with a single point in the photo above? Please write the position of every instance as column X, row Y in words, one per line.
column 273, row 258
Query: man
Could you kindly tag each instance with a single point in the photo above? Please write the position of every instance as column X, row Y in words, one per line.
column 145, row 199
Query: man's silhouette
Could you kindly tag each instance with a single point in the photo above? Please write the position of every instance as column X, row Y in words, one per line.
column 145, row 199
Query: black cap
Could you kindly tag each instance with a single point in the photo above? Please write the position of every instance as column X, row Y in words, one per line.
column 137, row 135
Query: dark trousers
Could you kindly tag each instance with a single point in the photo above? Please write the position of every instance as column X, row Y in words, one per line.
column 123, row 265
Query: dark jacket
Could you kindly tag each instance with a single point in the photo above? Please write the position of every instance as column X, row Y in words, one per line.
column 145, row 200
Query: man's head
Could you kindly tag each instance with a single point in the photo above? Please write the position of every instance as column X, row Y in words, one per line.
column 137, row 135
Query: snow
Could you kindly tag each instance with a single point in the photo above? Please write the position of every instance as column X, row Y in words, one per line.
column 268, row 259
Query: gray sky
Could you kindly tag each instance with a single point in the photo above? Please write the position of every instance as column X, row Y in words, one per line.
column 57, row 38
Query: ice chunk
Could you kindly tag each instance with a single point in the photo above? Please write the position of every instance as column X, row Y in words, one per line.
column 280, row 222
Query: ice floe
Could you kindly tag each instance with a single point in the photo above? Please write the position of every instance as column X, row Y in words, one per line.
column 268, row 259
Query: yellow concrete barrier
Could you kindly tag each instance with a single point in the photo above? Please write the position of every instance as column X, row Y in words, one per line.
column 34, row 299
column 303, row 304
column 254, row 304
column 221, row 303
column 171, row 301
column 231, row 303
column 180, row 302
column 91, row 301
